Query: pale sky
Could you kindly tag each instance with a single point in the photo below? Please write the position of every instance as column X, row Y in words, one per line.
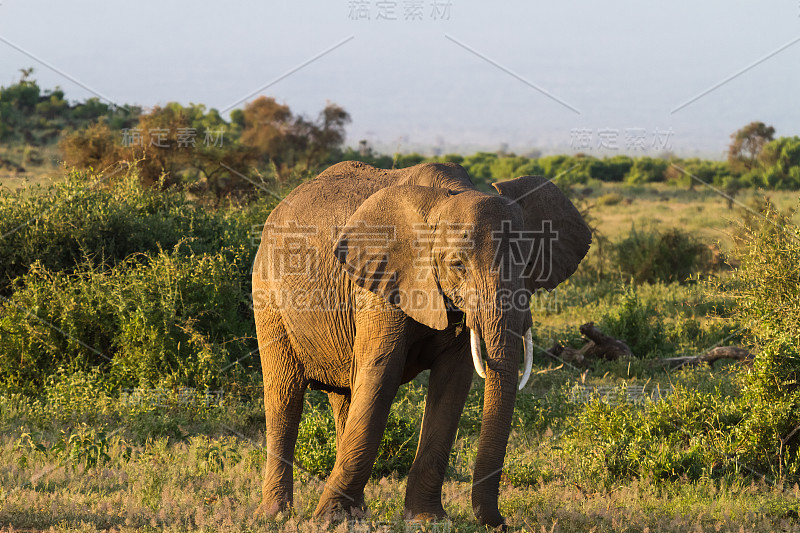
column 457, row 75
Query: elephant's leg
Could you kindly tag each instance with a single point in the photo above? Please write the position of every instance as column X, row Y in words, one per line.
column 284, row 386
column 340, row 403
column 379, row 354
column 450, row 379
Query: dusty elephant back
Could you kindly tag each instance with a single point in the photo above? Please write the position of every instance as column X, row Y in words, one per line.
column 338, row 191
column 325, row 203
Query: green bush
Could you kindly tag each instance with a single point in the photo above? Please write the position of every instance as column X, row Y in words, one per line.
column 611, row 169
column 214, row 455
column 86, row 282
column 655, row 255
column 766, row 289
column 611, row 198
column 512, row 166
column 107, row 220
column 407, row 160
column 527, row 473
column 780, row 163
column 685, row 435
column 647, row 170
column 71, row 399
column 87, row 446
column 157, row 318
column 316, row 439
column 638, row 324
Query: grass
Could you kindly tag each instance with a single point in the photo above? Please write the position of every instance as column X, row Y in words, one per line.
column 211, row 482
column 40, row 163
column 702, row 212
column 139, row 494
column 81, row 458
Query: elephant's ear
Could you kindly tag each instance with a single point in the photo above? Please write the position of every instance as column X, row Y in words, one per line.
column 560, row 236
column 386, row 247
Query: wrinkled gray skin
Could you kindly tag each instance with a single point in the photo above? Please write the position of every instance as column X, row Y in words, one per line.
column 337, row 259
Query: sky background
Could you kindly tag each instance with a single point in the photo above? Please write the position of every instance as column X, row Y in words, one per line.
column 473, row 77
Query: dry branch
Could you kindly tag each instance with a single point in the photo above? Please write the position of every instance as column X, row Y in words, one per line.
column 600, row 345
column 712, row 356
column 566, row 354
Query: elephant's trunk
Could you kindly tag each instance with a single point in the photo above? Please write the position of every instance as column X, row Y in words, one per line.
column 503, row 347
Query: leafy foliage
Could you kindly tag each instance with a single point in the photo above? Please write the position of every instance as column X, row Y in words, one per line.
column 316, row 442
column 36, row 117
column 146, row 284
column 164, row 316
column 780, row 161
column 660, row 255
column 747, row 144
column 266, row 145
column 195, row 148
column 678, row 437
column 646, row 170
column 638, row 323
column 766, row 289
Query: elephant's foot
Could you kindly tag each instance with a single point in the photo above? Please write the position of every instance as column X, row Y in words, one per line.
column 271, row 508
column 425, row 514
column 340, row 506
column 489, row 515
column 274, row 500
column 423, row 504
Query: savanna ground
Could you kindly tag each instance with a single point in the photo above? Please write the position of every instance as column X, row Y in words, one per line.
column 83, row 448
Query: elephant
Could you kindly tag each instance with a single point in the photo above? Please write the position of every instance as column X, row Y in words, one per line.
column 366, row 277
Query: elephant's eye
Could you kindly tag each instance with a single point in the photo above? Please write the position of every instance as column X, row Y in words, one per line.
column 458, row 265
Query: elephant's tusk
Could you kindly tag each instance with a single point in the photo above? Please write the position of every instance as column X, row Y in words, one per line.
column 528, row 358
column 475, row 347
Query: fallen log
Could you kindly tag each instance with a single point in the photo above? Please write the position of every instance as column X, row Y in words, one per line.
column 602, row 345
column 568, row 355
column 712, row 356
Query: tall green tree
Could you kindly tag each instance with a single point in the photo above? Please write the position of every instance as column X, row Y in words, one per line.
column 747, row 144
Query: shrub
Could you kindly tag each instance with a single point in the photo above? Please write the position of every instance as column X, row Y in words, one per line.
column 85, row 282
column 611, row 198
column 655, row 255
column 107, row 220
column 683, row 435
column 151, row 318
column 766, row 288
column 527, row 473
column 84, row 446
column 780, row 161
column 214, row 455
column 509, row 167
column 611, row 169
column 638, row 324
column 93, row 147
column 399, row 443
column 647, row 170
column 407, row 160
column 316, row 440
